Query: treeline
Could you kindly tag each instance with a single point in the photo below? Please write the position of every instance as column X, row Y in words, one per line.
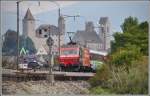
column 10, row 44
column 126, row 70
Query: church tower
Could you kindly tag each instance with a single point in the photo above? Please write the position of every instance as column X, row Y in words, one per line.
column 61, row 25
column 61, row 28
column 104, row 33
column 28, row 25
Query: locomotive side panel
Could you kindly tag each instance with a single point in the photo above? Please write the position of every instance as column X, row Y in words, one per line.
column 86, row 58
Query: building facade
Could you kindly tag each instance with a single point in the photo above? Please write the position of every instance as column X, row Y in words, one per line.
column 104, row 33
column 95, row 41
column 88, row 37
column 46, row 30
column 40, row 35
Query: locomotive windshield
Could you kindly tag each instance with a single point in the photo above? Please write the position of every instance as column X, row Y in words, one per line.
column 69, row 51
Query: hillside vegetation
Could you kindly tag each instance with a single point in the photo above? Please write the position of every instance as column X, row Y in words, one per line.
column 126, row 70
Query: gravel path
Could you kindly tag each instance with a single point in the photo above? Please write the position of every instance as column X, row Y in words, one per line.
column 42, row 87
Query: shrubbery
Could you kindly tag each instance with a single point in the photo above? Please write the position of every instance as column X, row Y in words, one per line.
column 115, row 80
column 126, row 71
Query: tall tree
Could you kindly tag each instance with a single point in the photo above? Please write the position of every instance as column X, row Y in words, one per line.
column 10, row 43
column 134, row 33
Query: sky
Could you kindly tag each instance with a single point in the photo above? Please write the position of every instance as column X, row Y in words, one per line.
column 47, row 13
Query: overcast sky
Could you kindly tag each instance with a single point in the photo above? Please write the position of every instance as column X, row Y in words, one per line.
column 47, row 13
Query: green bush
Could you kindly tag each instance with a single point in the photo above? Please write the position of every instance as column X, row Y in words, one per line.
column 99, row 90
column 118, row 81
column 102, row 75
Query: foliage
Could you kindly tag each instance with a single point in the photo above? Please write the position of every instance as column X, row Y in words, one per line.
column 126, row 70
column 101, row 76
column 125, row 56
column 27, row 44
column 135, row 82
column 117, row 81
column 134, row 33
column 10, row 43
column 129, row 23
column 99, row 90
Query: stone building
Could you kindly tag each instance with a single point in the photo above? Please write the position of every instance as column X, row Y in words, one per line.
column 29, row 27
column 104, row 32
column 88, row 37
column 43, row 31
column 40, row 35
column 92, row 40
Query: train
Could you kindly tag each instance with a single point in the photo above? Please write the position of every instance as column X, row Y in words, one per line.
column 74, row 57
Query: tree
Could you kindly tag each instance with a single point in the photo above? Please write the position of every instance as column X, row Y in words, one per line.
column 134, row 33
column 28, row 44
column 125, row 56
column 10, row 43
column 126, row 70
column 129, row 23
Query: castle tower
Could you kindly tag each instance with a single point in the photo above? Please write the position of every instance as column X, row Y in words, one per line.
column 104, row 33
column 89, row 26
column 28, row 25
column 29, row 30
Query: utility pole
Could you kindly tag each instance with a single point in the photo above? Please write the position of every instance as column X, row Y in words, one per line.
column 17, row 34
column 59, row 34
column 1, row 43
column 50, row 76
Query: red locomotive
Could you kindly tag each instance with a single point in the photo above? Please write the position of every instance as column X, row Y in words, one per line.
column 74, row 58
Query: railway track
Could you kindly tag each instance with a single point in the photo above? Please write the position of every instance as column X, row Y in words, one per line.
column 26, row 75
